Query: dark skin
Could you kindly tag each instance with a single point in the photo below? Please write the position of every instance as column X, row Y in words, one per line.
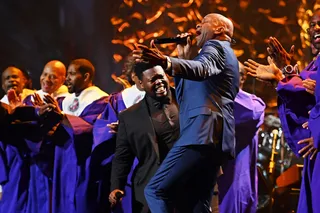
column 279, row 55
column 76, row 82
column 267, row 73
column 309, row 149
column 15, row 101
column 314, row 30
column 156, row 84
column 37, row 101
column 13, row 78
column 53, row 76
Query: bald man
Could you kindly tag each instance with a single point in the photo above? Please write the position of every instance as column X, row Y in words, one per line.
column 206, row 88
column 14, row 78
column 51, row 80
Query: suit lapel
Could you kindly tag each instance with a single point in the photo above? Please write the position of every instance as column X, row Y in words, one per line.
column 149, row 128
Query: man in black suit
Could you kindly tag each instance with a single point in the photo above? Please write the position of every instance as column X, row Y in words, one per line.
column 147, row 130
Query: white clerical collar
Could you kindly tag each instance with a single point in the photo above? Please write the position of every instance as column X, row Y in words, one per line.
column 75, row 105
column 132, row 95
column 24, row 94
column 61, row 92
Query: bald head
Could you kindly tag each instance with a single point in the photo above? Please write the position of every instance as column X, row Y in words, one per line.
column 214, row 26
column 53, row 76
column 13, row 78
column 222, row 21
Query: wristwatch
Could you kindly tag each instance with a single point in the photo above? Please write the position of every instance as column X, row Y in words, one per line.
column 289, row 69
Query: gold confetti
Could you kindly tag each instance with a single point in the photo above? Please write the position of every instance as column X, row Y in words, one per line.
column 128, row 2
column 116, row 21
column 124, row 25
column 156, row 16
column 117, row 57
column 137, row 16
column 187, row 4
column 281, row 21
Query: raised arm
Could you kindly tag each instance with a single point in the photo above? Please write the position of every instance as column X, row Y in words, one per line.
column 210, row 61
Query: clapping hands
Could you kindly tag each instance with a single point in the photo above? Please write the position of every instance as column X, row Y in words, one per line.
column 268, row 73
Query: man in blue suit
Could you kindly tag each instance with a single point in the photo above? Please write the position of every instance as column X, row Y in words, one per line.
column 206, row 88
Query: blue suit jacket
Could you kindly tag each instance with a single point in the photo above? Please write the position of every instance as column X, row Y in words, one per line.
column 208, row 86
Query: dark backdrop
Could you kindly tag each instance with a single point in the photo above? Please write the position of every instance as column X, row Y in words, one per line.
column 36, row 31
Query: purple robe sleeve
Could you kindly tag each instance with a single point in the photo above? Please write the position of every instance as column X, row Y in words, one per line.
column 92, row 111
column 293, row 106
column 314, row 121
column 110, row 114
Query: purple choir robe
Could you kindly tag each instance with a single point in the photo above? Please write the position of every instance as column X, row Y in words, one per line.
column 25, row 187
column 102, row 135
column 314, row 121
column 24, row 179
column 74, row 188
column 314, row 126
column 238, row 189
column 294, row 103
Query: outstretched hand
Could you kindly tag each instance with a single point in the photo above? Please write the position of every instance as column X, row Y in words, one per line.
column 269, row 73
column 309, row 149
column 278, row 54
column 153, row 56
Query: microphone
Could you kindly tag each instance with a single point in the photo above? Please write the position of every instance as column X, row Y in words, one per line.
column 176, row 40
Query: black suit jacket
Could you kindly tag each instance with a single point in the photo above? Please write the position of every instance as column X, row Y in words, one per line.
column 136, row 138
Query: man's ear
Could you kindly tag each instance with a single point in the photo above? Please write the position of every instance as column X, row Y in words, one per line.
column 219, row 30
column 132, row 76
column 86, row 77
column 141, row 84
